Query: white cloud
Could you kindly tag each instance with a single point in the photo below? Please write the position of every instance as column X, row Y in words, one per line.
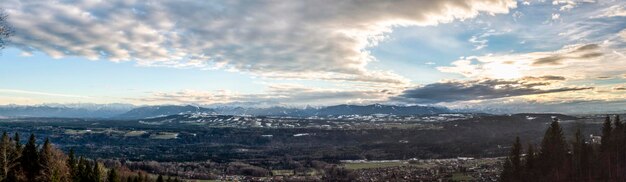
column 578, row 61
column 301, row 39
column 276, row 94
column 27, row 92
column 478, row 43
column 566, row 5
column 614, row 11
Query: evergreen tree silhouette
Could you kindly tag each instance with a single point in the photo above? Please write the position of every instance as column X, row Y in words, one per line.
column 96, row 174
column 160, row 179
column 605, row 150
column 30, row 160
column 530, row 164
column 113, row 177
column 45, row 160
column 554, row 154
column 516, row 159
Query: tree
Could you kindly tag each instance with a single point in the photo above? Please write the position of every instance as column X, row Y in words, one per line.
column 72, row 164
column 30, row 160
column 96, row 173
column 18, row 144
column 45, row 160
column 507, row 171
column 6, row 149
column 605, row 149
column 516, row 158
column 53, row 164
column 606, row 135
column 578, row 146
column 529, row 165
column 554, row 154
column 160, row 179
column 113, row 177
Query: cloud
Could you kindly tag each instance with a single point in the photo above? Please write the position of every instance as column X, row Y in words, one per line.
column 577, row 61
column 288, row 39
column 623, row 34
column 454, row 91
column 614, row 11
column 582, row 52
column 622, row 88
column 26, row 92
column 544, row 78
column 276, row 94
column 478, row 43
column 567, row 5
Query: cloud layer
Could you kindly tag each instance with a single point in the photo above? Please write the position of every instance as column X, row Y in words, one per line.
column 287, row 39
column 454, row 91
column 577, row 61
column 276, row 94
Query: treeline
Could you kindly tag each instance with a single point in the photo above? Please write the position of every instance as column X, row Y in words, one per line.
column 45, row 163
column 575, row 160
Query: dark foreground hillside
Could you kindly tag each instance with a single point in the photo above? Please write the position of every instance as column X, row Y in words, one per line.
column 197, row 151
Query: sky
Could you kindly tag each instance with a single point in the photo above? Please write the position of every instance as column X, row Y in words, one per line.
column 497, row 55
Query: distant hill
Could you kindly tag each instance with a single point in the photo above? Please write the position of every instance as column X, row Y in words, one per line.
column 66, row 111
column 381, row 109
column 334, row 110
column 269, row 111
column 120, row 111
column 159, row 111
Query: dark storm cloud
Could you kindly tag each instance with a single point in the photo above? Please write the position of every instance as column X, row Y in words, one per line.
column 544, row 78
column 477, row 90
column 583, row 52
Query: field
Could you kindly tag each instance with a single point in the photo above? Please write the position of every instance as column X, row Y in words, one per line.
column 370, row 165
column 461, row 177
column 282, row 172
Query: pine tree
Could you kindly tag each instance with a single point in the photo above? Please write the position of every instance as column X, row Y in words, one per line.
column 554, row 154
column 96, row 174
column 606, row 135
column 72, row 164
column 113, row 177
column 578, row 145
column 140, row 177
column 45, row 161
column 84, row 170
column 160, row 179
column 618, row 150
column 507, row 171
column 606, row 152
column 516, row 159
column 30, row 160
column 585, row 163
column 18, row 144
column 529, row 165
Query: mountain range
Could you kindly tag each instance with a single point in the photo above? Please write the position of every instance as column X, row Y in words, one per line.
column 128, row 112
